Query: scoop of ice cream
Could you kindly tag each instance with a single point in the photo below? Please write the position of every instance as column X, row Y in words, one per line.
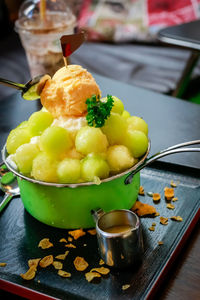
column 65, row 94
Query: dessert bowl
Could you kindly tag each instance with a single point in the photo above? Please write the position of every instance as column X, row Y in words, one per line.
column 69, row 205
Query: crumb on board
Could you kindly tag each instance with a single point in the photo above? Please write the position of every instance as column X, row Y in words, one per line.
column 125, row 286
column 164, row 221
column 141, row 191
column 169, row 193
column 77, row 233
column 156, row 197
column 80, row 263
column 177, row 218
column 170, row 206
column 45, row 243
column 143, row 209
column 160, row 243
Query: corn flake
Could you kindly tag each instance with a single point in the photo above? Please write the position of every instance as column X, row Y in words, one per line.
column 33, row 262
column 80, row 263
column 170, row 206
column 169, row 193
column 141, row 191
column 174, row 199
column 30, row 274
column 70, row 239
column 77, row 233
column 143, row 209
column 101, row 262
column 62, row 256
column 63, row 273
column 125, row 286
column 3, row 264
column 92, row 231
column 46, row 261
column 160, row 243
column 156, row 197
column 45, row 243
column 163, row 220
column 101, row 270
column 152, row 228
column 177, row 218
column 70, row 246
column 63, row 240
column 91, row 275
column 57, row 265
column 173, row 184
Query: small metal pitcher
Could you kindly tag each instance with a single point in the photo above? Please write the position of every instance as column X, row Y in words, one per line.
column 119, row 237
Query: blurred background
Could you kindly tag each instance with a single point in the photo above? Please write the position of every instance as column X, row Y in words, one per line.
column 121, row 39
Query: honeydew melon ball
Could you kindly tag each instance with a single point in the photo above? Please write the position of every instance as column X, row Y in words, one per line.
column 137, row 142
column 73, row 153
column 119, row 158
column 24, row 157
column 90, row 140
column 23, row 124
column 39, row 121
column 114, row 128
column 16, row 138
column 118, row 106
column 55, row 141
column 44, row 168
column 94, row 166
column 126, row 114
column 69, row 170
column 137, row 123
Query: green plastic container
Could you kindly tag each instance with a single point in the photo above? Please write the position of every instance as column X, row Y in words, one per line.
column 69, row 205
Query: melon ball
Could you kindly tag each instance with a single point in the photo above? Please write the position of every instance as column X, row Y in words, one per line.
column 16, row 138
column 126, row 114
column 69, row 170
column 39, row 121
column 55, row 141
column 114, row 129
column 137, row 142
column 44, row 168
column 137, row 123
column 118, row 106
column 94, row 166
column 119, row 158
column 90, row 140
column 24, row 157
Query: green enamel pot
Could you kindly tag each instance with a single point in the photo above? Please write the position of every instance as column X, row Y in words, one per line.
column 69, row 205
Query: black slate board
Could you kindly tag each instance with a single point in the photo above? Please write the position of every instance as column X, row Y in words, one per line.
column 21, row 233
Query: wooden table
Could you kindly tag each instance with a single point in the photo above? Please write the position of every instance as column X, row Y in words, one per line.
column 171, row 121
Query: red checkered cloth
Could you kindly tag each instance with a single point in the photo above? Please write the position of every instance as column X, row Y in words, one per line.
column 129, row 20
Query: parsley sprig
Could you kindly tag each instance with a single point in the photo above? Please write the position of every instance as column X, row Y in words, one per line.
column 98, row 111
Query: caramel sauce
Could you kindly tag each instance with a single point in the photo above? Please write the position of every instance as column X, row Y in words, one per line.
column 118, row 229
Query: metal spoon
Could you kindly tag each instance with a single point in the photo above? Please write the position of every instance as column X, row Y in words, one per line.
column 11, row 190
column 29, row 89
column 171, row 150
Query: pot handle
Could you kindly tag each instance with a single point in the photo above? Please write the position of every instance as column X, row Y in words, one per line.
column 171, row 150
column 97, row 213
